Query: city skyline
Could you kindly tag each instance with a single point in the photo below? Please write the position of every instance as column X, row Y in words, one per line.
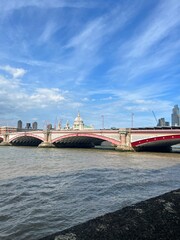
column 110, row 59
column 59, row 125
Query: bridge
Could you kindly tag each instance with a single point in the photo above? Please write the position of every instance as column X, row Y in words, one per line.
column 131, row 139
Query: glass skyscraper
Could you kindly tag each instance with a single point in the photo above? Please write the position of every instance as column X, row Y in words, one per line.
column 175, row 117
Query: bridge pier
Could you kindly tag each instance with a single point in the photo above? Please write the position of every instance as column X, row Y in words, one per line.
column 122, row 148
column 5, row 144
column 46, row 145
column 125, row 138
column 47, row 141
column 5, row 140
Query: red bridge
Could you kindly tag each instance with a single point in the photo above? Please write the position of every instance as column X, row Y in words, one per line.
column 156, row 139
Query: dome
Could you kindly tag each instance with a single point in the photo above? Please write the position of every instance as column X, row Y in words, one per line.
column 78, row 123
column 78, row 119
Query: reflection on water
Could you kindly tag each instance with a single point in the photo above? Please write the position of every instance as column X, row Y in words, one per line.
column 46, row 190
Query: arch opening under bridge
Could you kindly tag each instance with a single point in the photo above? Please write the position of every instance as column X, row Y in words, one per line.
column 26, row 140
column 83, row 140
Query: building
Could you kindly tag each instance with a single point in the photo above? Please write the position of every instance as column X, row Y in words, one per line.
column 175, row 117
column 34, row 125
column 19, row 125
column 67, row 127
column 59, row 126
column 79, row 124
column 4, row 129
column 49, row 126
column 162, row 123
column 28, row 126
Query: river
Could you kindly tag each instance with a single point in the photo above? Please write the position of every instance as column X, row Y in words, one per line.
column 43, row 191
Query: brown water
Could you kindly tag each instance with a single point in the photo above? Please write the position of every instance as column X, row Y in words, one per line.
column 47, row 190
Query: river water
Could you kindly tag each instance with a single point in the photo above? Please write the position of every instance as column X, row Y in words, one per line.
column 43, row 191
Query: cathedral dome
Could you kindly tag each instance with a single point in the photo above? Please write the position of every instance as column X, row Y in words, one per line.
column 78, row 119
column 78, row 123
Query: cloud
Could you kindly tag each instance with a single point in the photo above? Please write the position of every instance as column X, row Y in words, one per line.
column 117, row 58
column 50, row 28
column 15, row 72
column 19, row 101
column 139, row 99
column 99, row 30
column 14, row 98
column 132, row 93
column 81, row 53
column 46, row 96
column 13, row 4
column 151, row 48
column 86, row 46
column 157, row 27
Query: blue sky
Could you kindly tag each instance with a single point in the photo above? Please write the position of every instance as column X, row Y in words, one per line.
column 110, row 58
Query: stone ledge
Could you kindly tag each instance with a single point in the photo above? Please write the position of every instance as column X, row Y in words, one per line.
column 153, row 219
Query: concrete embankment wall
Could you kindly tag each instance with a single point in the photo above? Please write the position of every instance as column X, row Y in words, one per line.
column 156, row 218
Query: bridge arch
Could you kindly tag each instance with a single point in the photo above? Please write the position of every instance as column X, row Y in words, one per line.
column 82, row 140
column 26, row 139
column 160, row 143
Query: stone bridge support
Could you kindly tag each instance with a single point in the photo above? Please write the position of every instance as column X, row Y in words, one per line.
column 5, row 140
column 125, row 138
column 47, row 140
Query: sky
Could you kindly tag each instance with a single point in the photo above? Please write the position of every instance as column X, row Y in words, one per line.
column 116, row 61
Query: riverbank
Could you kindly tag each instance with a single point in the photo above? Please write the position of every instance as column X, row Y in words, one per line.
column 156, row 218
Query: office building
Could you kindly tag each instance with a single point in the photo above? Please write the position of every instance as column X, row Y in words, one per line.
column 175, row 117
column 28, row 126
column 34, row 126
column 162, row 123
column 19, row 125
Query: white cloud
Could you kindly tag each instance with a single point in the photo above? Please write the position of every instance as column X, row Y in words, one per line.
column 14, row 4
column 83, row 52
column 15, row 72
column 138, row 99
column 87, row 44
column 154, row 46
column 158, row 26
column 98, row 31
column 14, row 98
column 50, row 28
column 46, row 96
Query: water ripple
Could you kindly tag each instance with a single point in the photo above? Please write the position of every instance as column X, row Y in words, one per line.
column 34, row 206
